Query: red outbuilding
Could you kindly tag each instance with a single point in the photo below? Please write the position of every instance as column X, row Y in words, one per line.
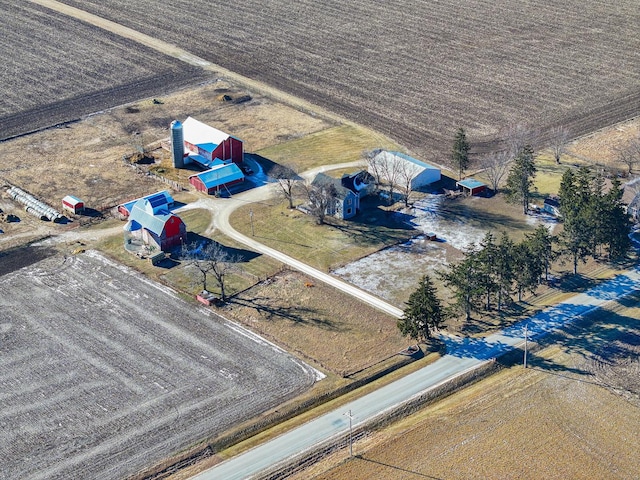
column 72, row 204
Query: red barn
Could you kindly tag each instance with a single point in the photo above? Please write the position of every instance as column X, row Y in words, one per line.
column 154, row 225
column 219, row 178
column 73, row 204
column 210, row 143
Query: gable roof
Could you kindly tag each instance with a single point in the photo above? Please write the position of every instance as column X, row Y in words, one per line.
column 158, row 199
column 420, row 165
column 322, row 179
column 150, row 215
column 72, row 200
column 204, row 136
column 220, row 175
column 357, row 181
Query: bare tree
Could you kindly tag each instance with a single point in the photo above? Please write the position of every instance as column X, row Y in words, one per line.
column 210, row 260
column 288, row 181
column 406, row 173
column 374, row 165
column 496, row 166
column 558, row 139
column 517, row 136
column 321, row 198
column 629, row 154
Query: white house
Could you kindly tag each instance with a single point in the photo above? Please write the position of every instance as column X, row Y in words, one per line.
column 394, row 167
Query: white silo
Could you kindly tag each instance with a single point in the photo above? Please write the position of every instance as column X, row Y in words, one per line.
column 177, row 144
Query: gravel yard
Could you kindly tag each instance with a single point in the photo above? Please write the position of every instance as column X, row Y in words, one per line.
column 103, row 372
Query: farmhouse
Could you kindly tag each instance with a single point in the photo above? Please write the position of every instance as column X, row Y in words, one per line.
column 218, row 178
column 153, row 226
column 361, row 183
column 395, row 166
column 345, row 204
column 156, row 198
column 72, row 204
column 633, row 209
column 471, row 186
column 204, row 144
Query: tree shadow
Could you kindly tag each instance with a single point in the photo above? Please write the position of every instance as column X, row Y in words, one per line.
column 397, row 468
column 295, row 313
column 240, row 255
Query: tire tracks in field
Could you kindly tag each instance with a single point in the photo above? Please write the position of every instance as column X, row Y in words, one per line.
column 191, row 59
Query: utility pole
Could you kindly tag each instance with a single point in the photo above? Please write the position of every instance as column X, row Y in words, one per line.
column 348, row 414
column 525, row 344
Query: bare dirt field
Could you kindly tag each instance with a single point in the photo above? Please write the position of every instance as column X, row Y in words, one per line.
column 61, row 69
column 573, row 414
column 85, row 158
column 419, row 70
column 104, row 373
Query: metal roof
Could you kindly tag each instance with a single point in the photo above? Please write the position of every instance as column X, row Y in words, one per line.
column 201, row 134
column 404, row 156
column 167, row 197
column 471, row 183
column 71, row 200
column 150, row 218
column 220, row 175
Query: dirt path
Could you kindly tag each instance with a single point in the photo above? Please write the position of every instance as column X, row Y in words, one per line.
column 191, row 59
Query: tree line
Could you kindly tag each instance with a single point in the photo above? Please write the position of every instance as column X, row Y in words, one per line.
column 594, row 224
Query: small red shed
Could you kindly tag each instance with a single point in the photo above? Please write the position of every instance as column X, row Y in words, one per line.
column 72, row 204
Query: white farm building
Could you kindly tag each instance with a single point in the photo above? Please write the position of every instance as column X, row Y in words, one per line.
column 391, row 166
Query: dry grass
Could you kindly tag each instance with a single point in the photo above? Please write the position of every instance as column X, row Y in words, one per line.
column 334, row 330
column 557, row 419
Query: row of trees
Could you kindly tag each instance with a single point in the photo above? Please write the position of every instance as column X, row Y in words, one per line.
column 593, row 218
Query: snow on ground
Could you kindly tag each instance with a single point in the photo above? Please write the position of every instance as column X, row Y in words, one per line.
column 393, row 273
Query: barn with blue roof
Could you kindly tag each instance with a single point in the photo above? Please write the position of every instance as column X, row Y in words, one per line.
column 217, row 179
column 207, row 144
column 152, row 225
column 157, row 198
column 471, row 186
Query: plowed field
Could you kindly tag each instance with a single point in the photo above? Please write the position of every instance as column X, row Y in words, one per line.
column 104, row 373
column 418, row 70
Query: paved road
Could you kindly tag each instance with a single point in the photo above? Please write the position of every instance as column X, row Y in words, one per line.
column 465, row 354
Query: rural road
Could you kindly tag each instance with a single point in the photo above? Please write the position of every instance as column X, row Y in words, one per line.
column 464, row 355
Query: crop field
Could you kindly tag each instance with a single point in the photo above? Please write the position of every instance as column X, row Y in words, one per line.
column 58, row 69
column 419, row 70
column 104, row 373
column 572, row 414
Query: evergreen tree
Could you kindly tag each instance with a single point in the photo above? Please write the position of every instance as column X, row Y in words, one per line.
column 505, row 269
column 487, row 257
column 460, row 152
column 527, row 268
column 616, row 235
column 541, row 247
column 520, row 179
column 576, row 208
column 464, row 281
column 423, row 314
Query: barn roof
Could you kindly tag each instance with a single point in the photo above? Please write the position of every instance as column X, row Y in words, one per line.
column 422, row 165
column 204, row 162
column 159, row 198
column 471, row 183
column 149, row 216
column 220, row 175
column 71, row 200
column 204, row 136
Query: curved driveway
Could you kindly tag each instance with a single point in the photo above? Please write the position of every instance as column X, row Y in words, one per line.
column 222, row 209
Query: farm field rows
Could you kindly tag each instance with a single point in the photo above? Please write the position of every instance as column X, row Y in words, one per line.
column 58, row 69
column 417, row 71
column 572, row 414
column 104, row 373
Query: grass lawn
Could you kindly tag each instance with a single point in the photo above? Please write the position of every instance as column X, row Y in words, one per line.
column 322, row 246
column 339, row 144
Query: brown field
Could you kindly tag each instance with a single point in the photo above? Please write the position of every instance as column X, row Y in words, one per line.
column 573, row 414
column 60, row 69
column 418, row 70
